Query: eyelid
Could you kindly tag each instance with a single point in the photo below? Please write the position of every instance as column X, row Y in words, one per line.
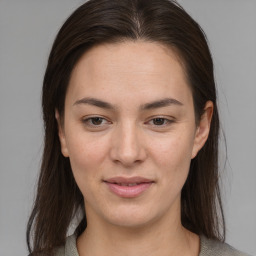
column 88, row 118
column 169, row 120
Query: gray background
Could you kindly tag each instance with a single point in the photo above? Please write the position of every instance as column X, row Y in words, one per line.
column 27, row 30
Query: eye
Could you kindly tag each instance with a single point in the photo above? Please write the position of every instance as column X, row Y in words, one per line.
column 95, row 121
column 161, row 121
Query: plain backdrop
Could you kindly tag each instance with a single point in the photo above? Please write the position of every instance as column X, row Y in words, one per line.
column 27, row 30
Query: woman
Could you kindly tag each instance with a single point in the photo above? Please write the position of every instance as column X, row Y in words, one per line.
column 131, row 136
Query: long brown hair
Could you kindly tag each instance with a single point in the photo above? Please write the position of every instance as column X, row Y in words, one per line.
column 103, row 21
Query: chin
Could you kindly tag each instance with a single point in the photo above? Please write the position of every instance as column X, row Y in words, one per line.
column 130, row 223
column 131, row 219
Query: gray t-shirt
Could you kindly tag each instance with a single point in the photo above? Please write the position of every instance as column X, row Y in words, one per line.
column 207, row 248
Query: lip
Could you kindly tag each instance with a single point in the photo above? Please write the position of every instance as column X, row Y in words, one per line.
column 128, row 187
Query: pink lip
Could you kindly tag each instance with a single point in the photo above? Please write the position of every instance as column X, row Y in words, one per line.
column 125, row 187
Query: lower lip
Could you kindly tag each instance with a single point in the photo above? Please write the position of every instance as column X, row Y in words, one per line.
column 128, row 191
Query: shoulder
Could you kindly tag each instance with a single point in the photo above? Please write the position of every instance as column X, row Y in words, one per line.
column 215, row 248
column 69, row 248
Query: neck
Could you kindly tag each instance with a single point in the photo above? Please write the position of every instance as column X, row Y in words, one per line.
column 154, row 239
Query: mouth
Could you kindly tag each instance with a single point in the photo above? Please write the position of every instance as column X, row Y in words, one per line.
column 128, row 187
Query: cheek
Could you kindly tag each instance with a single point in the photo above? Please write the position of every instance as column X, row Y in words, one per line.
column 172, row 156
column 87, row 154
column 172, row 151
column 86, row 149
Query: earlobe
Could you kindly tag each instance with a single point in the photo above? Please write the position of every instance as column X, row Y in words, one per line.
column 61, row 134
column 203, row 128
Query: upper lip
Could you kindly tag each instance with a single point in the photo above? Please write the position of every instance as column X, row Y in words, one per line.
column 128, row 180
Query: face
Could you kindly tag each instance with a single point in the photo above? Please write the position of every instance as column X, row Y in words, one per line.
column 129, row 131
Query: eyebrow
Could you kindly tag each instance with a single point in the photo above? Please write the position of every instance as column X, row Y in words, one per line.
column 151, row 105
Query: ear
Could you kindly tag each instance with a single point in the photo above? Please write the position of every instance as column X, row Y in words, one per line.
column 61, row 134
column 203, row 128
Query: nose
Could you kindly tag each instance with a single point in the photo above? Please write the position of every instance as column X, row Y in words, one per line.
column 127, row 145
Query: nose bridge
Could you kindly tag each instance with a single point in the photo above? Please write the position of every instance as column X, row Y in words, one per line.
column 127, row 146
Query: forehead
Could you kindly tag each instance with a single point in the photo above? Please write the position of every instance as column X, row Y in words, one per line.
column 132, row 68
column 130, row 56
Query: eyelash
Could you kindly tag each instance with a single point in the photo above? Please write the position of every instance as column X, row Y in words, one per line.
column 88, row 121
column 167, row 121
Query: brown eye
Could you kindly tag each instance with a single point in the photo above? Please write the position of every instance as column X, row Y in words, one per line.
column 159, row 121
column 96, row 120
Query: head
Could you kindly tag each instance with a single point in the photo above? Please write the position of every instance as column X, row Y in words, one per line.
column 164, row 29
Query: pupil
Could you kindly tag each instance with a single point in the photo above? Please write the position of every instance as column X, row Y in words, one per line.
column 158, row 121
column 96, row 120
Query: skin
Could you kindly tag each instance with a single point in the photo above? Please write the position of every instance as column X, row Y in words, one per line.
column 128, row 142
